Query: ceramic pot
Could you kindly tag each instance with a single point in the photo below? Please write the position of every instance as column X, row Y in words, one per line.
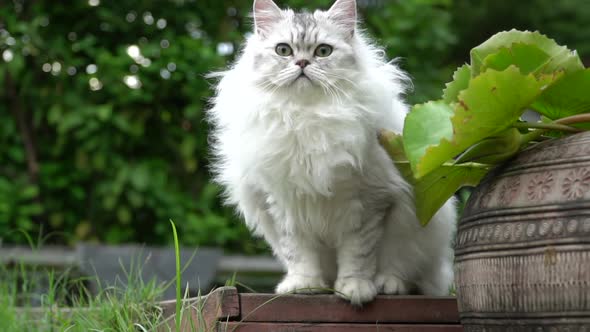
column 523, row 243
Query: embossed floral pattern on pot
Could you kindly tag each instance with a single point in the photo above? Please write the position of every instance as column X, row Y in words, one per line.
column 576, row 183
column 486, row 197
column 509, row 191
column 539, row 186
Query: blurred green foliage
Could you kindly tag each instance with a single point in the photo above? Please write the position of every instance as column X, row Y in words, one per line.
column 100, row 141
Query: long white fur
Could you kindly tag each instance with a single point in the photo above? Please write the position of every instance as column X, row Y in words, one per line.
column 300, row 160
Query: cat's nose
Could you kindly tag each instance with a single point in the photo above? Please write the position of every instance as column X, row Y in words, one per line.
column 302, row 63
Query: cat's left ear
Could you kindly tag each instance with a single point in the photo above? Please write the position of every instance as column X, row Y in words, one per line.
column 343, row 12
column 266, row 14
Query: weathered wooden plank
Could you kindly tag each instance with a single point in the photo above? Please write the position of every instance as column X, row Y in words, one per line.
column 62, row 257
column 330, row 308
column 220, row 305
column 346, row 327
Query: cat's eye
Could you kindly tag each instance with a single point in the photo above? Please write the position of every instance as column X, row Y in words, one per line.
column 284, row 49
column 323, row 50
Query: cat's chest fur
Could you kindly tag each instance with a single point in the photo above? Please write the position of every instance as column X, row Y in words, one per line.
column 307, row 149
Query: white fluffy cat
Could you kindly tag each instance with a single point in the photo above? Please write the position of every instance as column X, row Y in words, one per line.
column 296, row 121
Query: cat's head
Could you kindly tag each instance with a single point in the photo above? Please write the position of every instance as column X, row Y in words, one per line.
column 301, row 51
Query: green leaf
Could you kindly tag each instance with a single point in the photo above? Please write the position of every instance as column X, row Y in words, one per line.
column 16, row 66
column 460, row 82
column 394, row 146
column 491, row 104
column 31, row 210
column 30, row 192
column 561, row 57
column 124, row 215
column 424, row 127
column 103, row 112
column 433, row 190
column 528, row 58
column 568, row 96
column 140, row 177
column 493, row 150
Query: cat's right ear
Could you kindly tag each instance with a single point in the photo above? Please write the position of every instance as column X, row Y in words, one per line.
column 343, row 12
column 266, row 14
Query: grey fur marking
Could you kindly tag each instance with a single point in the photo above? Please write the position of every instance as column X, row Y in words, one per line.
column 305, row 24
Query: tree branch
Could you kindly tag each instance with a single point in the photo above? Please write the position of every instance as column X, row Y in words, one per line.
column 18, row 111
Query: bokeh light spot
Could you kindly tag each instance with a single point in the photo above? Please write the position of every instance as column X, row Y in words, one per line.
column 91, row 69
column 95, row 84
column 56, row 68
column 132, row 81
column 7, row 55
column 148, row 18
column 165, row 73
column 225, row 48
column 131, row 16
column 133, row 51
column 161, row 23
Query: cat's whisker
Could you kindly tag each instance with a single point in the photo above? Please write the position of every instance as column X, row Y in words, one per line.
column 277, row 80
column 321, row 79
column 342, row 78
column 337, row 91
column 324, row 76
column 331, row 92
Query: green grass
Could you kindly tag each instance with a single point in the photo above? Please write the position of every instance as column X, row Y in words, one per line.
column 130, row 304
column 178, row 315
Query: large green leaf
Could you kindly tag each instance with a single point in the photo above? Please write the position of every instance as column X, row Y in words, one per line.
column 561, row 57
column 460, row 82
column 568, row 96
column 434, row 189
column 424, row 127
column 528, row 58
column 491, row 104
column 494, row 149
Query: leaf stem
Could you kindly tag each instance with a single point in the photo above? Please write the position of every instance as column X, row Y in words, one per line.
column 574, row 119
column 549, row 126
column 532, row 136
column 560, row 125
column 451, row 164
column 467, row 165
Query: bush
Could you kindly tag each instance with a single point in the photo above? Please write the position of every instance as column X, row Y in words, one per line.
column 102, row 131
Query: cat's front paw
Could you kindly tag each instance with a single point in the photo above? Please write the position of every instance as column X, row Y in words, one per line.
column 356, row 290
column 391, row 284
column 301, row 285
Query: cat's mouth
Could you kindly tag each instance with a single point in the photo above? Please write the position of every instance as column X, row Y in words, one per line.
column 302, row 76
column 301, row 80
